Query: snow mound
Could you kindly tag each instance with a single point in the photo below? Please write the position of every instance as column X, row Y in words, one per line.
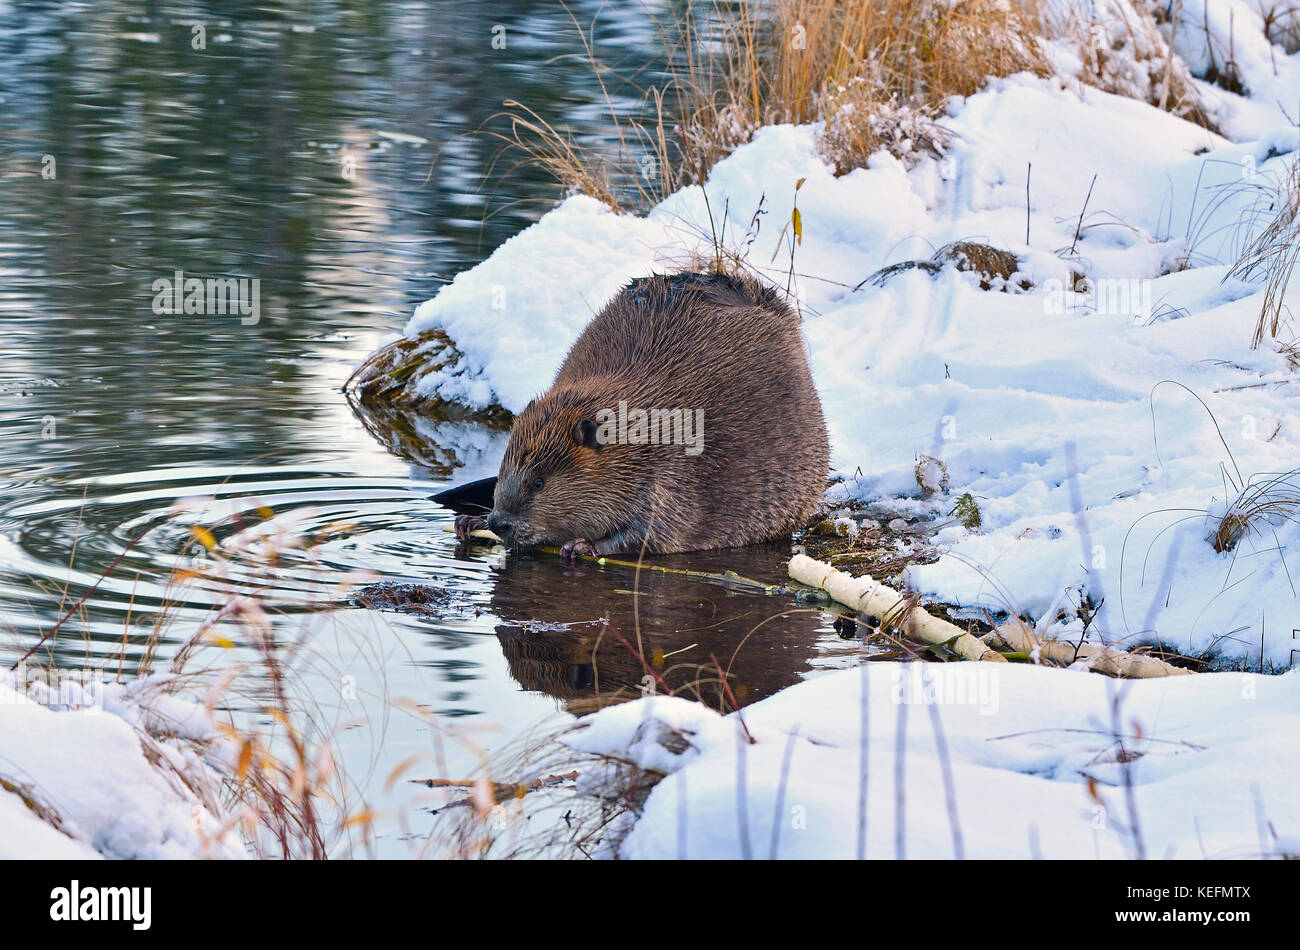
column 99, row 796
column 974, row 760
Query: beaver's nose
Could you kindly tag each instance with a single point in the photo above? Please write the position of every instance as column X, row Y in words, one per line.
column 501, row 524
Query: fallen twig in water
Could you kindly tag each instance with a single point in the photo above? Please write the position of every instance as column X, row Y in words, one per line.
column 728, row 578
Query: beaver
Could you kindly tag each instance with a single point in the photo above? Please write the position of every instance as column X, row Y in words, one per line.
column 684, row 418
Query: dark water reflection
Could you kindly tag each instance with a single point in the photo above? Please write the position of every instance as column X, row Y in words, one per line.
column 590, row 636
column 320, row 148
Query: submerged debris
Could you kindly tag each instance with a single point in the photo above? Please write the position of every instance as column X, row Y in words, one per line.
column 423, row 600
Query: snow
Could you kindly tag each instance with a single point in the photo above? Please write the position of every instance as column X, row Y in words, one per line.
column 1213, row 762
column 1006, row 388
column 86, row 763
column 1221, row 30
column 531, row 311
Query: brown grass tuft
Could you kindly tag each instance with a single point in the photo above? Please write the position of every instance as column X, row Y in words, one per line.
column 1262, row 504
column 876, row 73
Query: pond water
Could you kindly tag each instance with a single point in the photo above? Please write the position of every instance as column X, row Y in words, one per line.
column 328, row 157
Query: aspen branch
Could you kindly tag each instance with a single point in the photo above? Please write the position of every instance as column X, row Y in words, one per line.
column 1017, row 635
column 869, row 596
column 877, row 600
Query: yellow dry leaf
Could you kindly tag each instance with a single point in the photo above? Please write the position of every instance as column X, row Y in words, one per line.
column 203, row 536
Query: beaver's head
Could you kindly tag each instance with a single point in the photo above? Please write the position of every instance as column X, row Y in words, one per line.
column 557, row 480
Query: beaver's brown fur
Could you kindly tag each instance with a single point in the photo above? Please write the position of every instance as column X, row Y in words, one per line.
column 725, row 345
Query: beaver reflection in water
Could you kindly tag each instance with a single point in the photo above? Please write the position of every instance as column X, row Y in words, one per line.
column 684, row 418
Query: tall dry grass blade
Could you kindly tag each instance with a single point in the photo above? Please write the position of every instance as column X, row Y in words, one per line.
column 1274, row 254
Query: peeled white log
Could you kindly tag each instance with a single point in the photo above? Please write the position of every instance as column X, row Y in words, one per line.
column 877, row 600
column 1018, row 635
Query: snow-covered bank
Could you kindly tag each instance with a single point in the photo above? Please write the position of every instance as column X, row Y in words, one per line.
column 1060, row 409
column 76, row 782
column 978, row 760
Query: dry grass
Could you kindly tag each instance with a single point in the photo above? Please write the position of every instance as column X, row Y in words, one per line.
column 875, row 74
column 36, row 802
column 1126, row 49
column 557, row 803
column 1282, row 24
column 1260, row 506
column 267, row 776
column 1273, row 254
column 579, row 170
column 643, row 167
column 542, row 798
column 860, row 122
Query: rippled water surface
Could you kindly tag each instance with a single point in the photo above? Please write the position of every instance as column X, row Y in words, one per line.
column 325, row 154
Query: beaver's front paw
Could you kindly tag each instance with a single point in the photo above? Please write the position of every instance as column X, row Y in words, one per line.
column 467, row 523
column 576, row 548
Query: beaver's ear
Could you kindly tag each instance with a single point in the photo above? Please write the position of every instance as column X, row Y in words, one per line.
column 584, row 433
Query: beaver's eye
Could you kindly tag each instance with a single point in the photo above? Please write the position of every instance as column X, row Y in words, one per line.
column 538, row 483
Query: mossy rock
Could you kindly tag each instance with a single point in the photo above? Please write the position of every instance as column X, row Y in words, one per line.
column 384, row 394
